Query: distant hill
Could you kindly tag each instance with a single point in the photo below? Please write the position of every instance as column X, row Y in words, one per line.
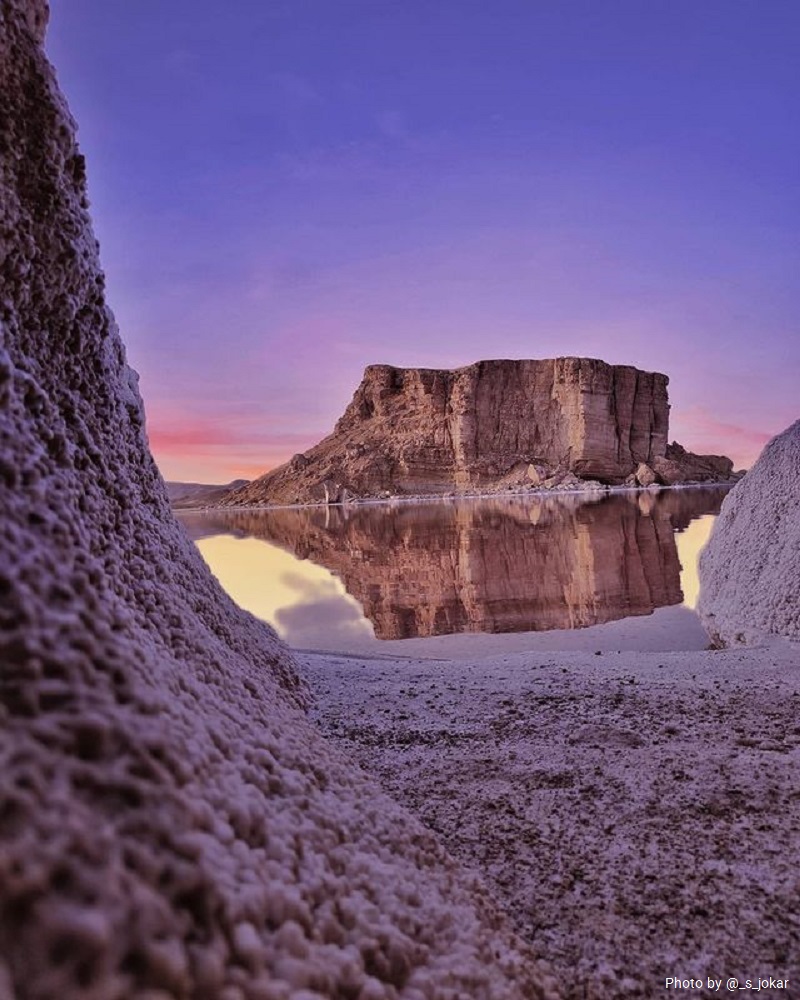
column 189, row 495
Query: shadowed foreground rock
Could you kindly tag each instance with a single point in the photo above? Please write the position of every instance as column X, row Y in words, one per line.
column 170, row 823
column 750, row 570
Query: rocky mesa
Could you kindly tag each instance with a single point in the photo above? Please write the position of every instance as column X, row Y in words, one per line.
column 493, row 424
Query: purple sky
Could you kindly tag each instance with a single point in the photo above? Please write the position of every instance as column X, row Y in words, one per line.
column 288, row 190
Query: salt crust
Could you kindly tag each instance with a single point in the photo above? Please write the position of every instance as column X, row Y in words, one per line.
column 636, row 812
column 750, row 569
column 171, row 825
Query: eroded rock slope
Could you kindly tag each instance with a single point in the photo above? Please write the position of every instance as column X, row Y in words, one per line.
column 170, row 823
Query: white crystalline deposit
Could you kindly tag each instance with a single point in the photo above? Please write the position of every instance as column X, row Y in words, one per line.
column 750, row 570
column 171, row 825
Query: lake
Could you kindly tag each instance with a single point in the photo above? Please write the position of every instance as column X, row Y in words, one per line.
column 378, row 577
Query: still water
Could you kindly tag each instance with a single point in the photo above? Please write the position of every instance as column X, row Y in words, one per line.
column 349, row 578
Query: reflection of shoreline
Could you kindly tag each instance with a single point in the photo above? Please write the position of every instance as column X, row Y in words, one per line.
column 502, row 565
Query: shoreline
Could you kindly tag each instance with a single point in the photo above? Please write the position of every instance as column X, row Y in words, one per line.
column 534, row 493
column 674, row 628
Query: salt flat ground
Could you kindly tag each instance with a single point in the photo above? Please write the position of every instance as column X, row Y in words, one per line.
column 638, row 813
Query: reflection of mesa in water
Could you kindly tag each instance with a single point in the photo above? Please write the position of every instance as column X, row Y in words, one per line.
column 493, row 565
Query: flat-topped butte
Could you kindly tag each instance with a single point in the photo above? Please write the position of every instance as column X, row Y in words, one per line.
column 493, row 424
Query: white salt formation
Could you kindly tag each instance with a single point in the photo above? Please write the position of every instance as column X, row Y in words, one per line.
column 171, row 825
column 750, row 570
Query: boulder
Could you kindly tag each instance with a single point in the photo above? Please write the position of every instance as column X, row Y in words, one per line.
column 552, row 482
column 537, row 474
column 570, row 482
column 644, row 475
column 668, row 471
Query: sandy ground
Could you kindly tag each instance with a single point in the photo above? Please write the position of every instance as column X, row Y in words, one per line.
column 637, row 812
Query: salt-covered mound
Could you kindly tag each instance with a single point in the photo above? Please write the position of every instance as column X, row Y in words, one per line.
column 750, row 570
column 170, row 823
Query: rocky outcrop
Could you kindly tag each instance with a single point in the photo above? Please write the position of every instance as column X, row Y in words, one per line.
column 644, row 475
column 681, row 466
column 750, row 569
column 493, row 424
column 171, row 824
column 494, row 566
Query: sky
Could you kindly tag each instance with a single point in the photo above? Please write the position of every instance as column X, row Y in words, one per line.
column 286, row 191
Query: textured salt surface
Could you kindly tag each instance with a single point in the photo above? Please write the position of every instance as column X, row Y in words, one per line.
column 668, row 629
column 751, row 567
column 170, row 823
column 637, row 814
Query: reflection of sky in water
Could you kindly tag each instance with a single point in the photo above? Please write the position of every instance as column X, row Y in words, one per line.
column 306, row 604
column 690, row 542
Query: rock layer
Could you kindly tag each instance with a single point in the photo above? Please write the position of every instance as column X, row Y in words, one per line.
column 492, row 424
column 171, row 825
column 750, row 569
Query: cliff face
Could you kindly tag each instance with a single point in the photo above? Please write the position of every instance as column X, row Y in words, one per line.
column 494, row 566
column 170, row 822
column 421, row 430
column 477, row 423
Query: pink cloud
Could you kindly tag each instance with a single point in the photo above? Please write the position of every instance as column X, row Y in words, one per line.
column 188, row 448
column 180, row 439
column 701, row 432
